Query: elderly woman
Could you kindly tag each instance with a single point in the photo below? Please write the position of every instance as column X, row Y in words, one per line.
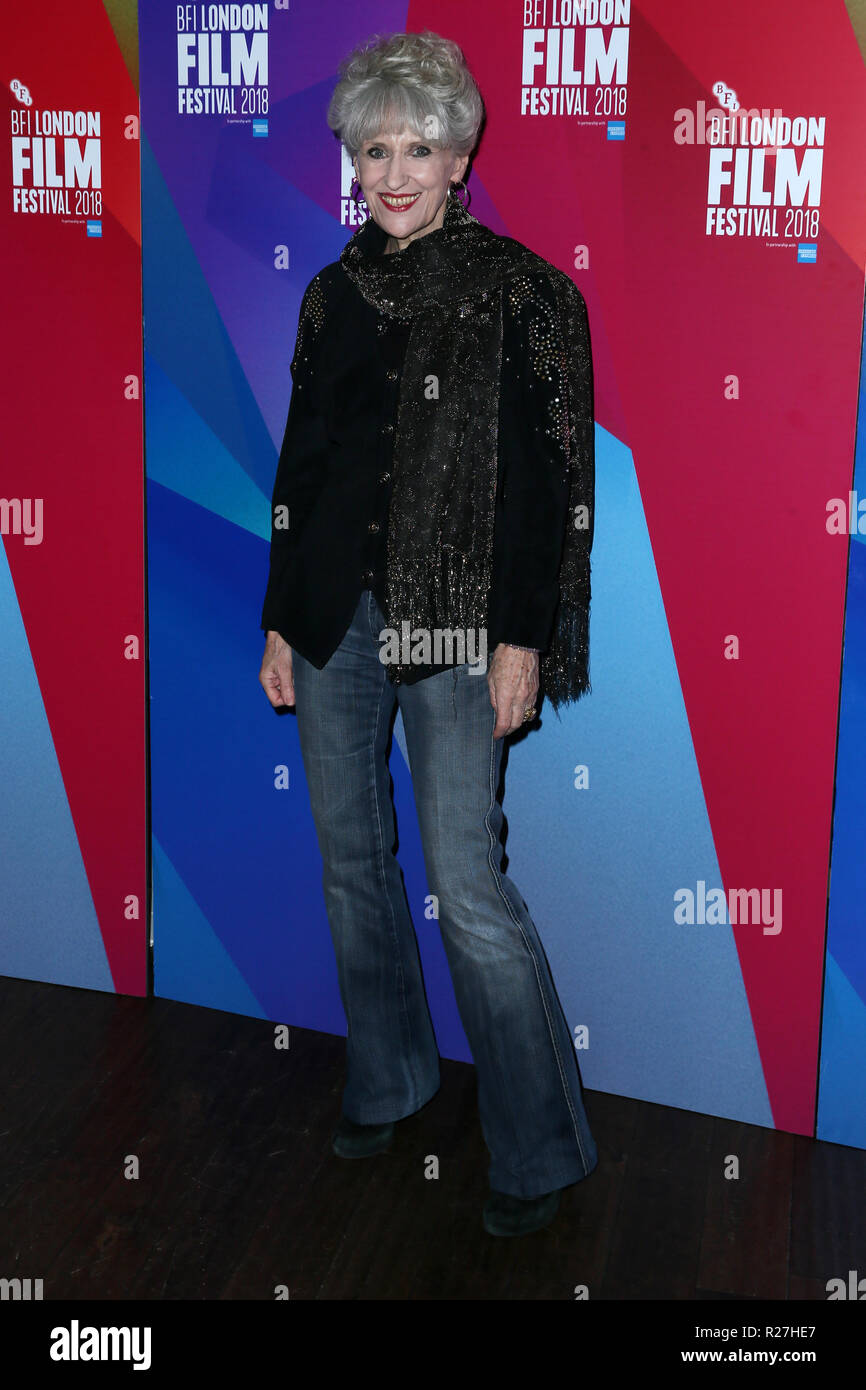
column 432, row 523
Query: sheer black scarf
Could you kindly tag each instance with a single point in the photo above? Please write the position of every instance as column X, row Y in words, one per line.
column 448, row 284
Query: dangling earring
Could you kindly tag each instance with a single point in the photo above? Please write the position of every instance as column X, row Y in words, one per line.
column 355, row 193
column 461, row 192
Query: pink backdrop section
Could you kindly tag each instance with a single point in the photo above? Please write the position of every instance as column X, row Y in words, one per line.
column 734, row 490
column 73, row 436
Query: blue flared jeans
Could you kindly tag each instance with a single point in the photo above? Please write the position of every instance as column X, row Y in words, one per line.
column 529, row 1091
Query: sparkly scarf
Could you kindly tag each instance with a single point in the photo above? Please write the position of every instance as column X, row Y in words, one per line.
column 449, row 285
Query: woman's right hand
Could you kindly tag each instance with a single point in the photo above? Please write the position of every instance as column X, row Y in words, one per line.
column 276, row 673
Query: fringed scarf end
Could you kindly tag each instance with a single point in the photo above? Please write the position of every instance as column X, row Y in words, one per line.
column 564, row 669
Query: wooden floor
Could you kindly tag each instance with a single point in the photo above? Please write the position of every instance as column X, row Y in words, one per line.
column 238, row 1190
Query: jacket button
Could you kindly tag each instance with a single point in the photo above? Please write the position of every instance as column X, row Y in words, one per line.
column 392, row 374
column 373, row 527
column 388, row 429
column 385, row 478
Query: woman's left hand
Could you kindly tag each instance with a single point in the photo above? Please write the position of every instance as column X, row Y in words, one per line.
column 513, row 684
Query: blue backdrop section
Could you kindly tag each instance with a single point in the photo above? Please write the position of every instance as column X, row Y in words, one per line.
column 843, row 1033
column 239, row 919
column 843, row 1049
column 50, row 929
column 190, row 952
column 187, row 456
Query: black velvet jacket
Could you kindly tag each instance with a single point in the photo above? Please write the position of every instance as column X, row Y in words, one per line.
column 334, row 476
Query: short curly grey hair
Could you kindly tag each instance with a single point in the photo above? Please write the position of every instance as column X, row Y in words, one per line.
column 419, row 82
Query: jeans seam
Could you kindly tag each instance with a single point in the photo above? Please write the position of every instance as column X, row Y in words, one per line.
column 383, row 877
column 527, row 943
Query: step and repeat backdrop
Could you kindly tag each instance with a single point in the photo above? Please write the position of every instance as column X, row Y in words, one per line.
column 73, row 831
column 700, row 177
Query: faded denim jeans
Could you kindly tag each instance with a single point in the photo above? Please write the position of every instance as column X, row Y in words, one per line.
column 529, row 1090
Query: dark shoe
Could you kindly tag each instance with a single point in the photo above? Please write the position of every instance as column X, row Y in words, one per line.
column 359, row 1141
column 505, row 1215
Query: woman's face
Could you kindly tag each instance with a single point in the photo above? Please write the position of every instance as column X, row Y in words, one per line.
column 405, row 183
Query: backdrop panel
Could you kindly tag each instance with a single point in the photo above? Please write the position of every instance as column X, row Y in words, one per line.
column 72, row 621
column 680, row 883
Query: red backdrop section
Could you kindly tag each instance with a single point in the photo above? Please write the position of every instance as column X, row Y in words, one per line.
column 72, row 436
column 734, row 489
